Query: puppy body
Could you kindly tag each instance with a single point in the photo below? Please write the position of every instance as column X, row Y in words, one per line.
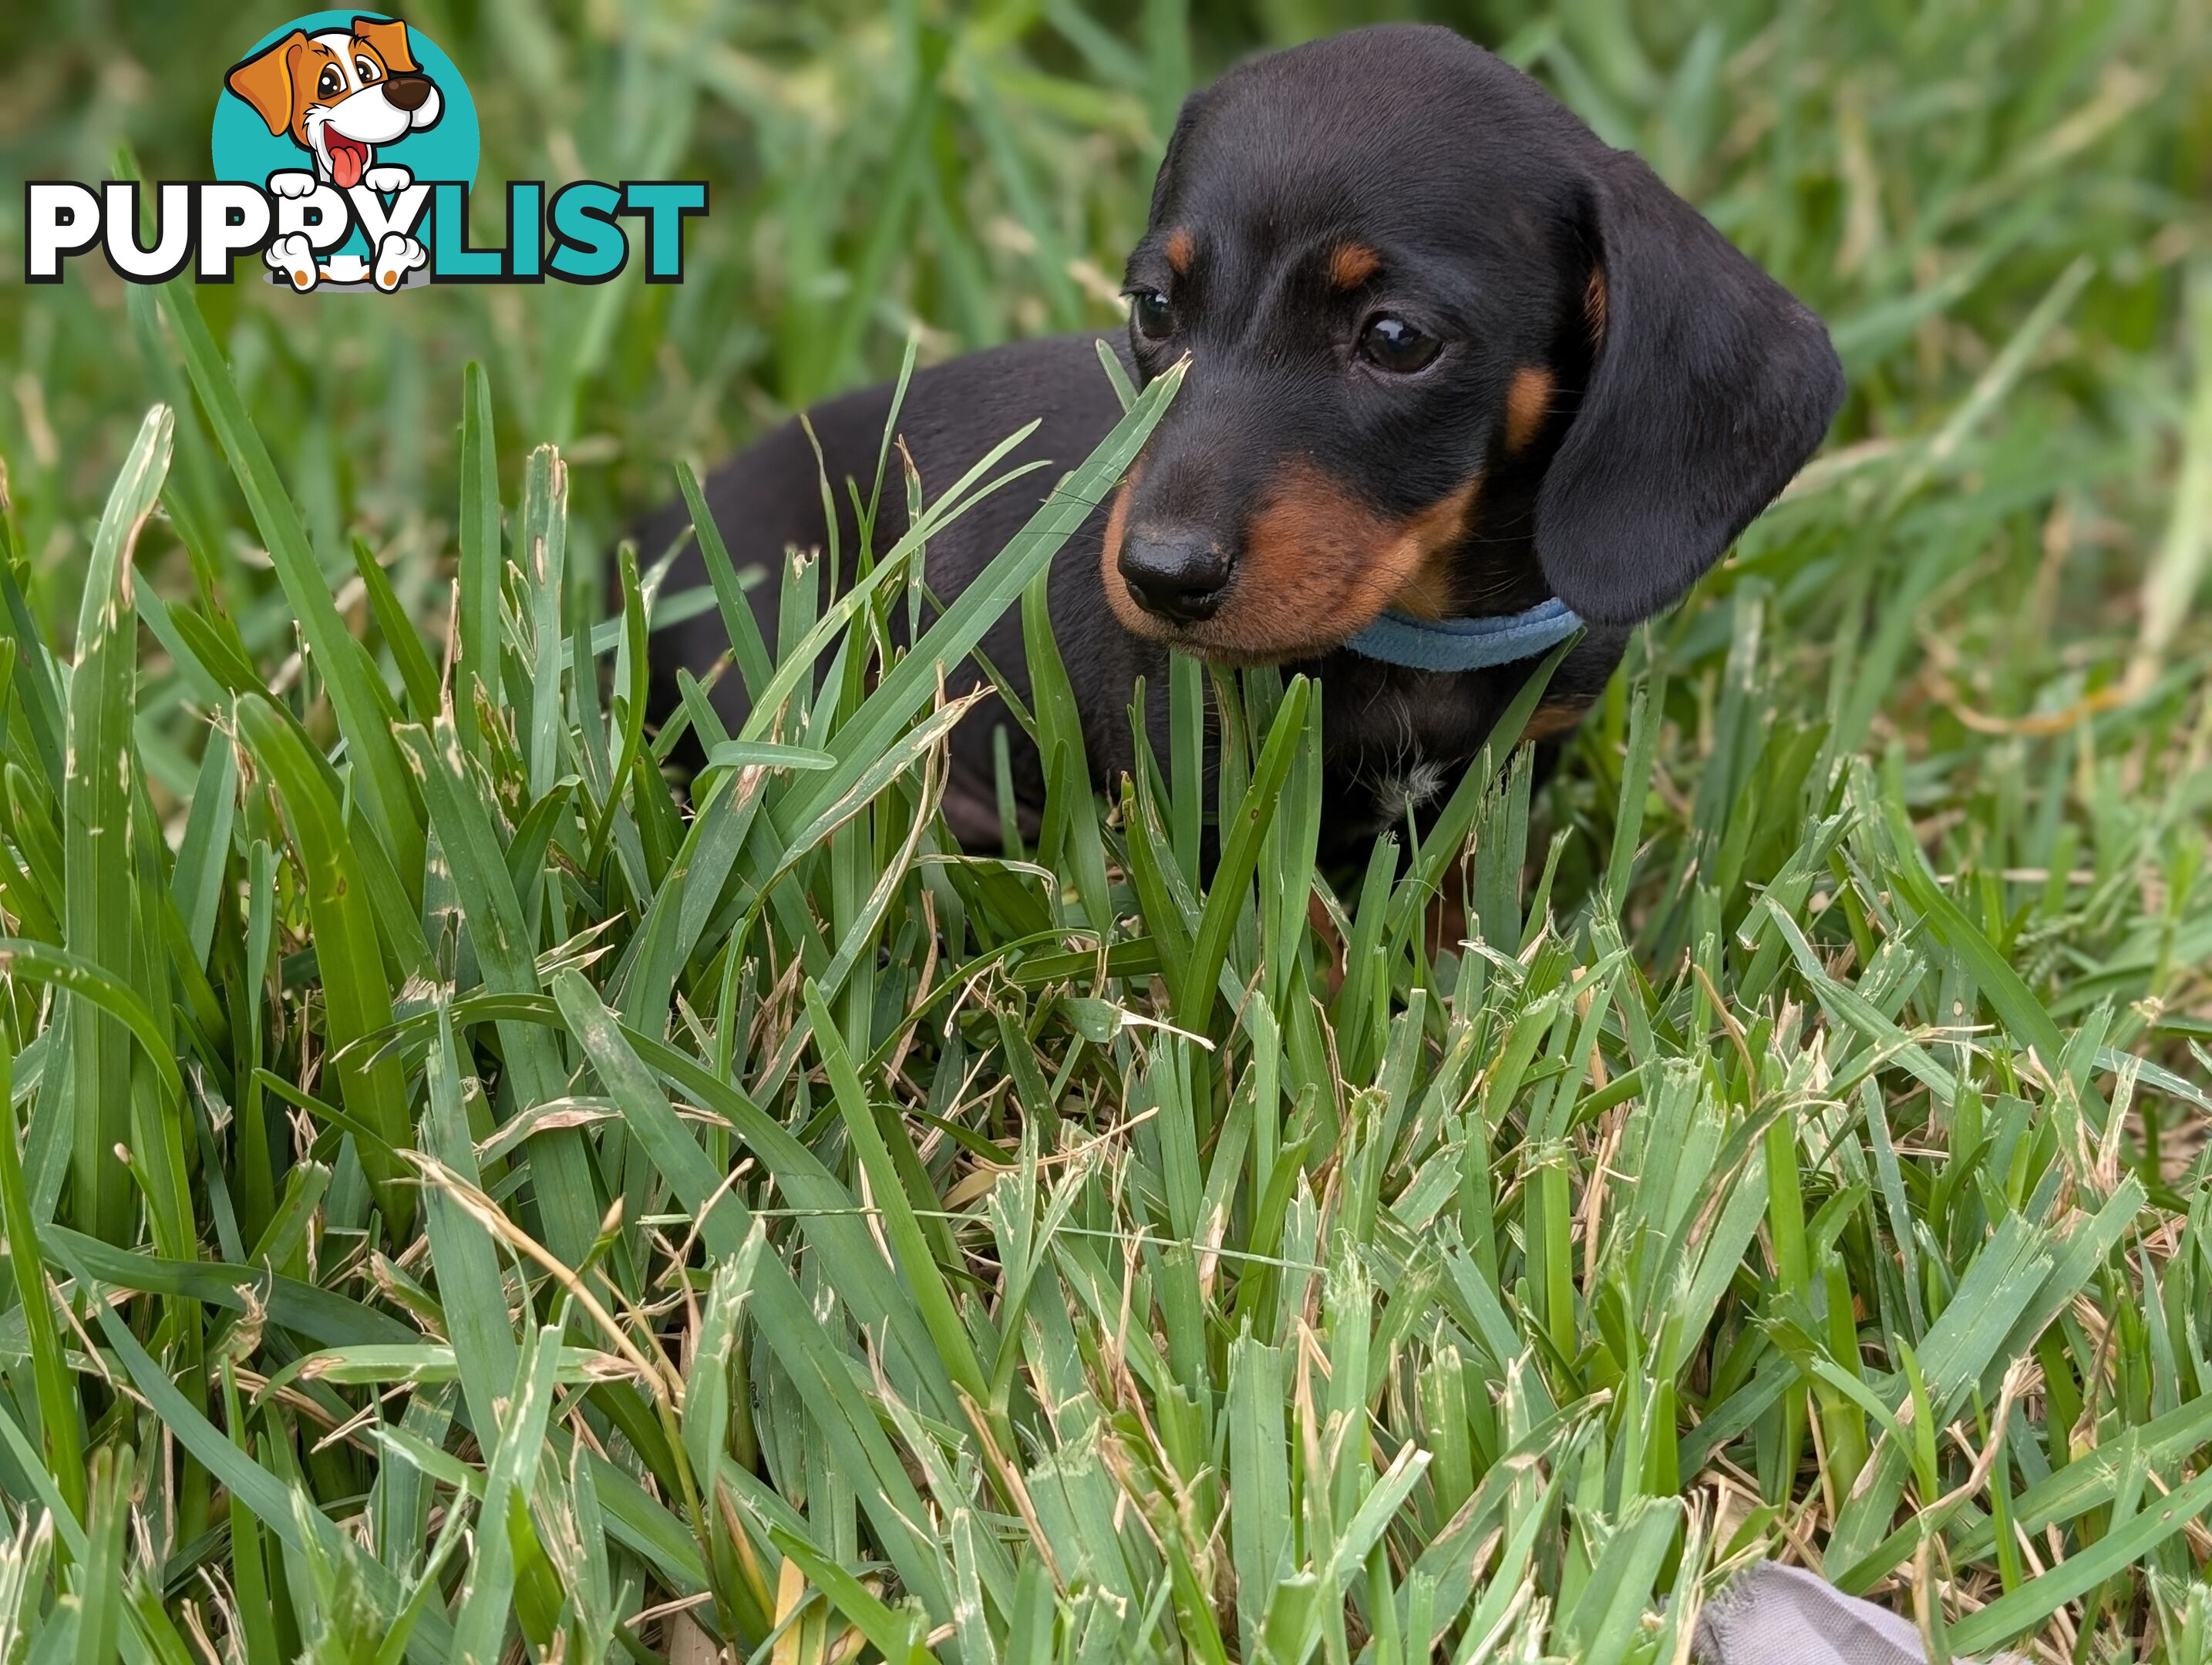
column 1450, row 356
column 768, row 500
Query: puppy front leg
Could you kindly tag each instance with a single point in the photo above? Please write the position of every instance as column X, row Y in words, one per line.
column 293, row 255
column 396, row 256
column 295, row 258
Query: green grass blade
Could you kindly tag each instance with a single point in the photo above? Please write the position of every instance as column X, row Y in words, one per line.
column 543, row 560
column 480, row 1627
column 417, row 674
column 357, row 997
column 96, row 809
column 204, row 857
column 1240, row 857
column 568, row 1196
column 917, row 1267
column 54, row 1390
column 344, row 665
column 481, row 561
column 745, row 641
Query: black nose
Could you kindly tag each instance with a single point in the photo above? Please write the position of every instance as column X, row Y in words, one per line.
column 1178, row 574
column 407, row 92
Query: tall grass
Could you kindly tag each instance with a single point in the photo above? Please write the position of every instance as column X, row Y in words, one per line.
column 466, row 1194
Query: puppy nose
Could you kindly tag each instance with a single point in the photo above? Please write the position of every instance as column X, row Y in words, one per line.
column 1177, row 573
column 407, row 92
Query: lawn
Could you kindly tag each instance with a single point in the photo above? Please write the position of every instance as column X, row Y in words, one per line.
column 469, row 1195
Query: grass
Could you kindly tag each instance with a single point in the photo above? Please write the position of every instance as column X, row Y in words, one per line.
column 467, row 1196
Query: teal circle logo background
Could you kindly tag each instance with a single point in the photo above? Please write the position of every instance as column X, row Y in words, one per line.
column 245, row 152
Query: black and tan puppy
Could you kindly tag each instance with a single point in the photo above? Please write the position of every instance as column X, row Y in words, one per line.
column 1460, row 374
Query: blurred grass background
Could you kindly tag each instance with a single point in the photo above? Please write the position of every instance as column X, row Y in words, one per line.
column 1982, row 597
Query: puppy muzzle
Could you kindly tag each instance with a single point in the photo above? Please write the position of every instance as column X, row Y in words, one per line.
column 408, row 92
column 383, row 112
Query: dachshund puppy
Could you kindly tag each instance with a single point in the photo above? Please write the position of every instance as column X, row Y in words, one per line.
column 1462, row 377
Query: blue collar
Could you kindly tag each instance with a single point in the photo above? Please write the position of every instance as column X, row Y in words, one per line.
column 1466, row 644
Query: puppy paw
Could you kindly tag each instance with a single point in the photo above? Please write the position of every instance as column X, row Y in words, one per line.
column 388, row 179
column 295, row 258
column 396, row 256
column 292, row 183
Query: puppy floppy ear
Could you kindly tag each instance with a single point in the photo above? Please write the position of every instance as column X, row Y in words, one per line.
column 390, row 40
column 265, row 80
column 1709, row 386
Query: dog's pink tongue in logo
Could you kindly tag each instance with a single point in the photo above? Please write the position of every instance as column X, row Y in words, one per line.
column 348, row 158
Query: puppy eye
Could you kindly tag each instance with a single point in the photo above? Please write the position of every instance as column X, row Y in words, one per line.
column 366, row 69
column 1391, row 343
column 1154, row 318
column 330, row 83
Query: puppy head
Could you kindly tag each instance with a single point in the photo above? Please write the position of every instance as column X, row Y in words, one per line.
column 340, row 94
column 1437, row 325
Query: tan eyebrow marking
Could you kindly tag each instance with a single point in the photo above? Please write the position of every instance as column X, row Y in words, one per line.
column 1352, row 264
column 1527, row 402
column 1181, row 249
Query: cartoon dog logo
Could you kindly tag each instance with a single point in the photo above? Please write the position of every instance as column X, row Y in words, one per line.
column 340, row 94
